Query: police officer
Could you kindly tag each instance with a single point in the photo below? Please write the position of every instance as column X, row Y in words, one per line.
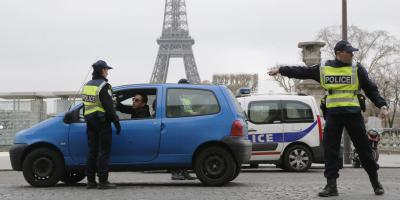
column 99, row 113
column 181, row 174
column 342, row 79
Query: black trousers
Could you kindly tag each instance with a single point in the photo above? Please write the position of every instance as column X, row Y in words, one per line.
column 354, row 123
column 99, row 141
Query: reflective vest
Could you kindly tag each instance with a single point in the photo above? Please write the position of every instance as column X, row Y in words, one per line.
column 91, row 98
column 341, row 85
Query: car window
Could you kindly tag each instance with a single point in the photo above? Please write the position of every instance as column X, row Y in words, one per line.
column 238, row 108
column 124, row 104
column 297, row 112
column 191, row 102
column 264, row 112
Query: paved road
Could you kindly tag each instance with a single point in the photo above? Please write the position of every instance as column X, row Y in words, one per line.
column 262, row 183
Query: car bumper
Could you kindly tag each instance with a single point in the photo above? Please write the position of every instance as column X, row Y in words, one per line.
column 16, row 153
column 241, row 148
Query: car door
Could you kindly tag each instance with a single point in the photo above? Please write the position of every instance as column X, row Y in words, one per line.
column 298, row 121
column 138, row 141
column 265, row 129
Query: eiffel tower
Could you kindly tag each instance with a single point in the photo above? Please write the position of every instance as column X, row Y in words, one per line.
column 175, row 42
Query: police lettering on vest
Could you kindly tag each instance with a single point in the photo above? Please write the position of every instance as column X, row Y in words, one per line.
column 337, row 79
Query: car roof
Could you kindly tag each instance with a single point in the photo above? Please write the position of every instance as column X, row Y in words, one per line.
column 133, row 86
column 277, row 96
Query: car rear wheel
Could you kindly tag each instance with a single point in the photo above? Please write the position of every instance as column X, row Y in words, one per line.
column 43, row 167
column 297, row 158
column 215, row 166
column 73, row 177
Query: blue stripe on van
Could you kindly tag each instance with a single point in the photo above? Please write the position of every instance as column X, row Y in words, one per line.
column 281, row 137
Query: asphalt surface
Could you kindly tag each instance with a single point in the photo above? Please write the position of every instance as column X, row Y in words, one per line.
column 261, row 183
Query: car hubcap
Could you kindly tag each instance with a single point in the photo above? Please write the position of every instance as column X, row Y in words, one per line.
column 42, row 168
column 214, row 166
column 298, row 159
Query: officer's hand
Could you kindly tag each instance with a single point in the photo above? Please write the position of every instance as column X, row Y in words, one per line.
column 274, row 71
column 384, row 113
column 117, row 127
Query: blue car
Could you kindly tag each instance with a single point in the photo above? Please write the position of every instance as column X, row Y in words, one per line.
column 198, row 127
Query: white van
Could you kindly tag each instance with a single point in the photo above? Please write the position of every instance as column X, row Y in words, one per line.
column 285, row 130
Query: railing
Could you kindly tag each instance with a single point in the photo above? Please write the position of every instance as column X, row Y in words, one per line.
column 390, row 142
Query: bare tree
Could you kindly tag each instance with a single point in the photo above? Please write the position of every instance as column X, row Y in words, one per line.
column 288, row 84
column 236, row 81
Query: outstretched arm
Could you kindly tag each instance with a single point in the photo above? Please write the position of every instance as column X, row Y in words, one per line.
column 299, row 72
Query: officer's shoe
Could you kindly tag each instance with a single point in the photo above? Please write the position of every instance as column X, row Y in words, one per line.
column 187, row 175
column 330, row 189
column 177, row 176
column 377, row 186
column 91, row 185
column 106, row 185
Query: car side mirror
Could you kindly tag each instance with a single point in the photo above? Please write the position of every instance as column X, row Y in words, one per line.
column 1, row 127
column 68, row 117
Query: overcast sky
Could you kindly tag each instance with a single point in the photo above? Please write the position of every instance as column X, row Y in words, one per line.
column 49, row 45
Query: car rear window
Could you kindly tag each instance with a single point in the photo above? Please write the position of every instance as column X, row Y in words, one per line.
column 191, row 102
column 238, row 108
column 297, row 112
column 265, row 112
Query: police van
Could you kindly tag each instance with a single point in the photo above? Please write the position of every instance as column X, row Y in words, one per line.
column 286, row 130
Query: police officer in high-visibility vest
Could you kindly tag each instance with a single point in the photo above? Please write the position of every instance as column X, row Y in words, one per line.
column 99, row 112
column 343, row 79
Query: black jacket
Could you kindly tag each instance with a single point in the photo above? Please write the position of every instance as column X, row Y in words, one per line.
column 143, row 112
column 370, row 89
column 106, row 100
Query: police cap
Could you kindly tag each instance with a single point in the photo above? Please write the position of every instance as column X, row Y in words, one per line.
column 100, row 64
column 344, row 46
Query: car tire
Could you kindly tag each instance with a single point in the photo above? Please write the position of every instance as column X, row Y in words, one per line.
column 297, row 158
column 215, row 166
column 73, row 177
column 43, row 167
column 237, row 172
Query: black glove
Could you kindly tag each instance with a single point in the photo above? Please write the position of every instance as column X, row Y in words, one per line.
column 117, row 127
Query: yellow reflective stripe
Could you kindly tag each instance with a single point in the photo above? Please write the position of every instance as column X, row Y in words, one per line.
column 342, row 102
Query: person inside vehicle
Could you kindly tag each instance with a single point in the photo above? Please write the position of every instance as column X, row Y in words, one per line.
column 139, row 108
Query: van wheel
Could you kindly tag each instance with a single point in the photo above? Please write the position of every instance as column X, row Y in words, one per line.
column 215, row 166
column 73, row 177
column 297, row 158
column 43, row 167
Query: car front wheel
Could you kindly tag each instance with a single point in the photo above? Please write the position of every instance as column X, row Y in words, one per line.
column 73, row 177
column 215, row 166
column 43, row 167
